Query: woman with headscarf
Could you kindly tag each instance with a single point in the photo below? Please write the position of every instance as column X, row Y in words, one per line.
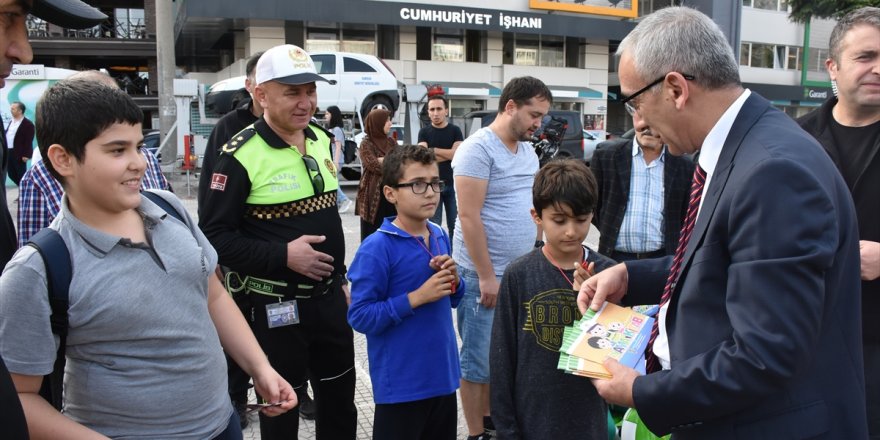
column 370, row 204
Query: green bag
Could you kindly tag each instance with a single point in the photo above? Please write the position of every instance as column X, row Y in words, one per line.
column 632, row 428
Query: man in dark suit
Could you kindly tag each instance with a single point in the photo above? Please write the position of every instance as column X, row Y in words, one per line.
column 759, row 332
column 20, row 139
column 16, row 49
column 643, row 195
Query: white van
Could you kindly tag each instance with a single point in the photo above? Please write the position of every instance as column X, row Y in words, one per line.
column 358, row 83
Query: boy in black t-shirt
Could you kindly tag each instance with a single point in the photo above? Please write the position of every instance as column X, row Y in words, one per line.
column 531, row 398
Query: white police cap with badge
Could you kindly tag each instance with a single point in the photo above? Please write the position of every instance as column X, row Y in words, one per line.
column 287, row 64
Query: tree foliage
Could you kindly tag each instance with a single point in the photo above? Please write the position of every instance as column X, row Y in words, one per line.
column 803, row 10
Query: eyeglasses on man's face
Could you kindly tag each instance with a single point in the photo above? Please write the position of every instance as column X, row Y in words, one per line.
column 422, row 187
column 632, row 106
column 314, row 174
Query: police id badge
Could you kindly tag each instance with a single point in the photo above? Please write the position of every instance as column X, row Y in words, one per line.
column 282, row 314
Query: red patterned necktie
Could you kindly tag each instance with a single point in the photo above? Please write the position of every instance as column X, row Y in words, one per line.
column 652, row 363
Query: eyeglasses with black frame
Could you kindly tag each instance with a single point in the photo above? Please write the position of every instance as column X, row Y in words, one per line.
column 314, row 174
column 633, row 108
column 422, row 187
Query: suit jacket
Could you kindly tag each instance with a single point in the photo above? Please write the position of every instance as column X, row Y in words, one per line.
column 23, row 144
column 7, row 227
column 764, row 320
column 613, row 169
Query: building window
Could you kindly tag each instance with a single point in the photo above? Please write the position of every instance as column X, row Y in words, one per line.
column 793, row 57
column 539, row 50
column 816, row 60
column 448, row 45
column 129, row 23
column 329, row 37
column 770, row 5
column 762, row 55
column 770, row 56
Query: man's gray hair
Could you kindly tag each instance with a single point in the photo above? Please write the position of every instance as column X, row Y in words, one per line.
column 683, row 40
column 869, row 16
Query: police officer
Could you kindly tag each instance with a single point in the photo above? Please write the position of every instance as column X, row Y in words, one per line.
column 271, row 214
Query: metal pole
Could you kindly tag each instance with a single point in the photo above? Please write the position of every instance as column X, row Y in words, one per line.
column 166, row 68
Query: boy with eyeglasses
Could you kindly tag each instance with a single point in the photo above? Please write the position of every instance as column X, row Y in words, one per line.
column 404, row 284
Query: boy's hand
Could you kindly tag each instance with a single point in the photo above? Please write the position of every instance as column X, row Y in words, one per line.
column 436, row 287
column 273, row 388
column 441, row 262
column 582, row 273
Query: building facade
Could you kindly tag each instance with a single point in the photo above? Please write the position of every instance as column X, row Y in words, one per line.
column 782, row 60
column 470, row 51
column 124, row 46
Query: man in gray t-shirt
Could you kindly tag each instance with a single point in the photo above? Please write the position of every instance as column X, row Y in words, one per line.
column 493, row 171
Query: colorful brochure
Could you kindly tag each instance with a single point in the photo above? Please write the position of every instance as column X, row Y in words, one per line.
column 613, row 331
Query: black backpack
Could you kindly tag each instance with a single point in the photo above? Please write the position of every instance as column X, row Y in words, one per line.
column 59, row 272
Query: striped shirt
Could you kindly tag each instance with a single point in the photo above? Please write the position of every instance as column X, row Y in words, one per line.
column 39, row 195
column 642, row 226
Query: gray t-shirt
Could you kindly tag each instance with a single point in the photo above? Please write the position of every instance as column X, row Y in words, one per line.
column 338, row 136
column 510, row 231
column 143, row 357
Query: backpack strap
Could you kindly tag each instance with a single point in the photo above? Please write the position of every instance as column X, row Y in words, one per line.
column 164, row 204
column 59, row 272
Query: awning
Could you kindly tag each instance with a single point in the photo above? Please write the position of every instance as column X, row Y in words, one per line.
column 466, row 88
column 575, row 92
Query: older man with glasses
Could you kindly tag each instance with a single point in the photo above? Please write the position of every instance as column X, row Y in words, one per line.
column 270, row 211
column 759, row 329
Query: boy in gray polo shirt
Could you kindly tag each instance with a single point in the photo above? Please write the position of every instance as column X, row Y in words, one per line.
column 147, row 314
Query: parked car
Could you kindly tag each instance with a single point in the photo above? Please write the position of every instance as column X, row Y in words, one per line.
column 590, row 143
column 631, row 133
column 357, row 83
column 572, row 141
column 151, row 142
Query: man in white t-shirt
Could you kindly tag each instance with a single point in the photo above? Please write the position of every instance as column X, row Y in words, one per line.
column 494, row 170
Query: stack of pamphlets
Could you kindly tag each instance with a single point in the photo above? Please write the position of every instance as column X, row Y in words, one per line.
column 616, row 332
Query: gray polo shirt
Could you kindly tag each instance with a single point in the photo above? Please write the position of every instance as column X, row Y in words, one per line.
column 143, row 356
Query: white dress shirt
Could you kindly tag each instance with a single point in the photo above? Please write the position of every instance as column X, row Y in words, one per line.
column 710, row 151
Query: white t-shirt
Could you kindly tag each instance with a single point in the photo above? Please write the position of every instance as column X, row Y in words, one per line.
column 510, row 232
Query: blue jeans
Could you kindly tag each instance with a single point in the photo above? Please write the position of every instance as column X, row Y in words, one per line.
column 340, row 196
column 447, row 199
column 232, row 431
column 475, row 329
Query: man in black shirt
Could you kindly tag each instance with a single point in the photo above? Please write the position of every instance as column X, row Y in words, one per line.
column 848, row 127
column 443, row 138
column 229, row 125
